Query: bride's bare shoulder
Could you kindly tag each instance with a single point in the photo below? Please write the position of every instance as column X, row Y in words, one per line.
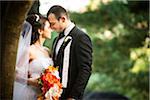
column 32, row 50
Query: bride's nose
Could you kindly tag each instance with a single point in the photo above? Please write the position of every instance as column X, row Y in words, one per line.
column 51, row 30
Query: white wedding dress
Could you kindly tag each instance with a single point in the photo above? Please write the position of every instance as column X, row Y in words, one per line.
column 36, row 67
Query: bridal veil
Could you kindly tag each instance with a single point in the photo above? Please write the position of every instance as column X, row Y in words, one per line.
column 22, row 63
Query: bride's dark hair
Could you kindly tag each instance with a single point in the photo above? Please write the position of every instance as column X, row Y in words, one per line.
column 37, row 22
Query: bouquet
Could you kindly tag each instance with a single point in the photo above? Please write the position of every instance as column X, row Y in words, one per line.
column 50, row 83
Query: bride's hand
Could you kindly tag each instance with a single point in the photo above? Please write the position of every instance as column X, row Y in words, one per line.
column 33, row 82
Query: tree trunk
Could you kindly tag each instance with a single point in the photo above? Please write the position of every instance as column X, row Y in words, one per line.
column 13, row 14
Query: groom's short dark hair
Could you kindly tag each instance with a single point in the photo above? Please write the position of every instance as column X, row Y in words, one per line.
column 58, row 11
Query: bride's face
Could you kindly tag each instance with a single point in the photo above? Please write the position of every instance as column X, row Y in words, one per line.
column 46, row 32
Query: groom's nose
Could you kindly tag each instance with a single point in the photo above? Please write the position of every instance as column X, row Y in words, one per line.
column 52, row 27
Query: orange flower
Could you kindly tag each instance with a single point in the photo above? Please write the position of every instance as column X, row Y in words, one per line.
column 51, row 85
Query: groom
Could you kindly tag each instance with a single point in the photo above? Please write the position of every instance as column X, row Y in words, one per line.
column 72, row 52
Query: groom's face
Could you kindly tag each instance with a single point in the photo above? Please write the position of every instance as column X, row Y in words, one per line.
column 56, row 24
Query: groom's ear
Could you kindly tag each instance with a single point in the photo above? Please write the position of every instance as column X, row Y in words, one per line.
column 63, row 18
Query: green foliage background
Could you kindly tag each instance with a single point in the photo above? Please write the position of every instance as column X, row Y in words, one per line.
column 121, row 57
column 121, row 54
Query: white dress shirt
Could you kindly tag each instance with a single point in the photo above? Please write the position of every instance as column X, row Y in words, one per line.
column 66, row 32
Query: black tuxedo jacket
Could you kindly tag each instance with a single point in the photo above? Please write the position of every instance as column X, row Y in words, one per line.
column 79, row 63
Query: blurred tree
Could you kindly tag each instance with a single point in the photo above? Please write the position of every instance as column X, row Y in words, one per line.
column 13, row 14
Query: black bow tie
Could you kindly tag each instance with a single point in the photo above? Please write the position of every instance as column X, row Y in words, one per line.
column 61, row 35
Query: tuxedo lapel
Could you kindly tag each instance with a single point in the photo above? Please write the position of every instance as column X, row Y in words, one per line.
column 54, row 48
column 59, row 60
column 67, row 39
column 66, row 58
column 60, row 55
column 64, row 44
column 62, row 59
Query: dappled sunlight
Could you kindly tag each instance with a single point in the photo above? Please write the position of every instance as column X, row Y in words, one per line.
column 119, row 29
column 140, row 57
column 105, row 36
column 108, row 34
column 140, row 65
column 142, row 25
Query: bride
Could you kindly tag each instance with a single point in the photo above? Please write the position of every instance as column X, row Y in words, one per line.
column 32, row 57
